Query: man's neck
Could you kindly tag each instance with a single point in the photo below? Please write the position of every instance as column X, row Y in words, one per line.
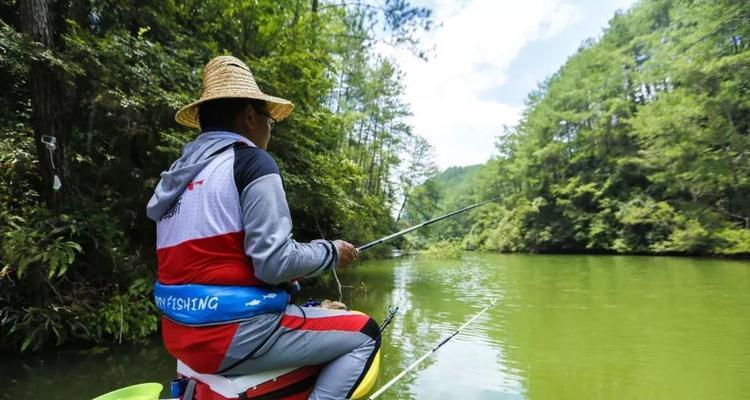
column 210, row 131
column 246, row 135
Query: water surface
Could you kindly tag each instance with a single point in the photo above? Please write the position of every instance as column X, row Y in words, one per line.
column 564, row 327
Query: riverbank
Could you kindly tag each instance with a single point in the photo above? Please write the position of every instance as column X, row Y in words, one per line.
column 454, row 249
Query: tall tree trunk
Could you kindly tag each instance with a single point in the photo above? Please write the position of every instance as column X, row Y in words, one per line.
column 382, row 167
column 387, row 164
column 403, row 204
column 364, row 141
column 49, row 101
column 371, row 168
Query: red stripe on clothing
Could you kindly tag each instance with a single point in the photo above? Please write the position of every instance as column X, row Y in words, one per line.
column 213, row 260
column 201, row 348
column 345, row 322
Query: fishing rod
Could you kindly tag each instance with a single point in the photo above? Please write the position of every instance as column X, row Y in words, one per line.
column 391, row 313
column 434, row 349
column 415, row 227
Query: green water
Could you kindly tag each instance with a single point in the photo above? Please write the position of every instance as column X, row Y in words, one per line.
column 564, row 327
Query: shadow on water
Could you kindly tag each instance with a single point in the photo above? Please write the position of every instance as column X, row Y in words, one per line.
column 84, row 374
column 564, row 327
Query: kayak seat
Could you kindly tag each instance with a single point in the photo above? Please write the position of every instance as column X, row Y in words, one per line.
column 287, row 383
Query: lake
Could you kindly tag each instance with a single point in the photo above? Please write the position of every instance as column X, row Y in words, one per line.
column 564, row 327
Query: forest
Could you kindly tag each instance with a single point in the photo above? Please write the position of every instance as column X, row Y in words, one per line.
column 638, row 144
column 104, row 79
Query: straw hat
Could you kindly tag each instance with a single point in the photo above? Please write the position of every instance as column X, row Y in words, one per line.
column 227, row 76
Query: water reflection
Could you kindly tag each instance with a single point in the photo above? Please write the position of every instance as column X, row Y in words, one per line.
column 83, row 374
column 573, row 327
column 564, row 327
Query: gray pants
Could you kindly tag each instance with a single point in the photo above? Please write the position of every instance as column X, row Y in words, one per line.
column 346, row 341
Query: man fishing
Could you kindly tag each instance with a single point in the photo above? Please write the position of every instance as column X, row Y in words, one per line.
column 225, row 250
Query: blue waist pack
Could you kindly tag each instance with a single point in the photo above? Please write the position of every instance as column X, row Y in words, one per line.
column 208, row 304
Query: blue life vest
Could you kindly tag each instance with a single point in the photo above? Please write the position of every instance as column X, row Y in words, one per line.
column 209, row 304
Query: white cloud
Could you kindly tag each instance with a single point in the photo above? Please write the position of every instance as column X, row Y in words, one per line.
column 473, row 49
column 624, row 4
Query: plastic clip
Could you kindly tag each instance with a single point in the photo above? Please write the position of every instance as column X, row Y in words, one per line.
column 177, row 387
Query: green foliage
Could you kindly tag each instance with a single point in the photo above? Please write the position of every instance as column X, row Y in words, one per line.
column 734, row 241
column 38, row 326
column 442, row 250
column 81, row 268
column 638, row 144
column 43, row 243
column 129, row 316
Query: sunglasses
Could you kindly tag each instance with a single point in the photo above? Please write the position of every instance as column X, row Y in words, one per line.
column 268, row 115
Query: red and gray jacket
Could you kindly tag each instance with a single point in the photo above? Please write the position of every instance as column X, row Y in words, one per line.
column 222, row 219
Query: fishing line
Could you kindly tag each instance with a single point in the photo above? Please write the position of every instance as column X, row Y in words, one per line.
column 335, row 275
column 434, row 349
column 338, row 282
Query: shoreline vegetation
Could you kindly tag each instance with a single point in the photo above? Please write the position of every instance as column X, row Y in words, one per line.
column 455, row 250
column 639, row 144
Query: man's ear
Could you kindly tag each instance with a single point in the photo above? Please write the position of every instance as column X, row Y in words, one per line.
column 246, row 118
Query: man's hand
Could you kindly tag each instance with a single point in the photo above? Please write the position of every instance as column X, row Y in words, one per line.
column 347, row 252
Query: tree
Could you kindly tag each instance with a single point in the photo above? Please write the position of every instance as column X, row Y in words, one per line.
column 52, row 95
column 419, row 167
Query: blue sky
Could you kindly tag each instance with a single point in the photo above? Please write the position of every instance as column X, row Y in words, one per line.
column 487, row 56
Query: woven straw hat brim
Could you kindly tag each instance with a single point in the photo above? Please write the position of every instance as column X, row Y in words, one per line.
column 278, row 108
column 228, row 77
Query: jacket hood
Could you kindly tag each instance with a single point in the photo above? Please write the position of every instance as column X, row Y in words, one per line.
column 195, row 156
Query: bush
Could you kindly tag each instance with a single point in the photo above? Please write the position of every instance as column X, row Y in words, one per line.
column 442, row 250
column 61, row 271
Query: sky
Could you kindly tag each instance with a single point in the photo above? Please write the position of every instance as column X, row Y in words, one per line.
column 486, row 56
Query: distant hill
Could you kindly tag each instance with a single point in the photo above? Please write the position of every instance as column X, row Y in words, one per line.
column 447, row 191
column 456, row 182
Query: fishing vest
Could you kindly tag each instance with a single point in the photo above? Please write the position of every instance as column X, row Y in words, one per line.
column 201, row 305
column 204, row 275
